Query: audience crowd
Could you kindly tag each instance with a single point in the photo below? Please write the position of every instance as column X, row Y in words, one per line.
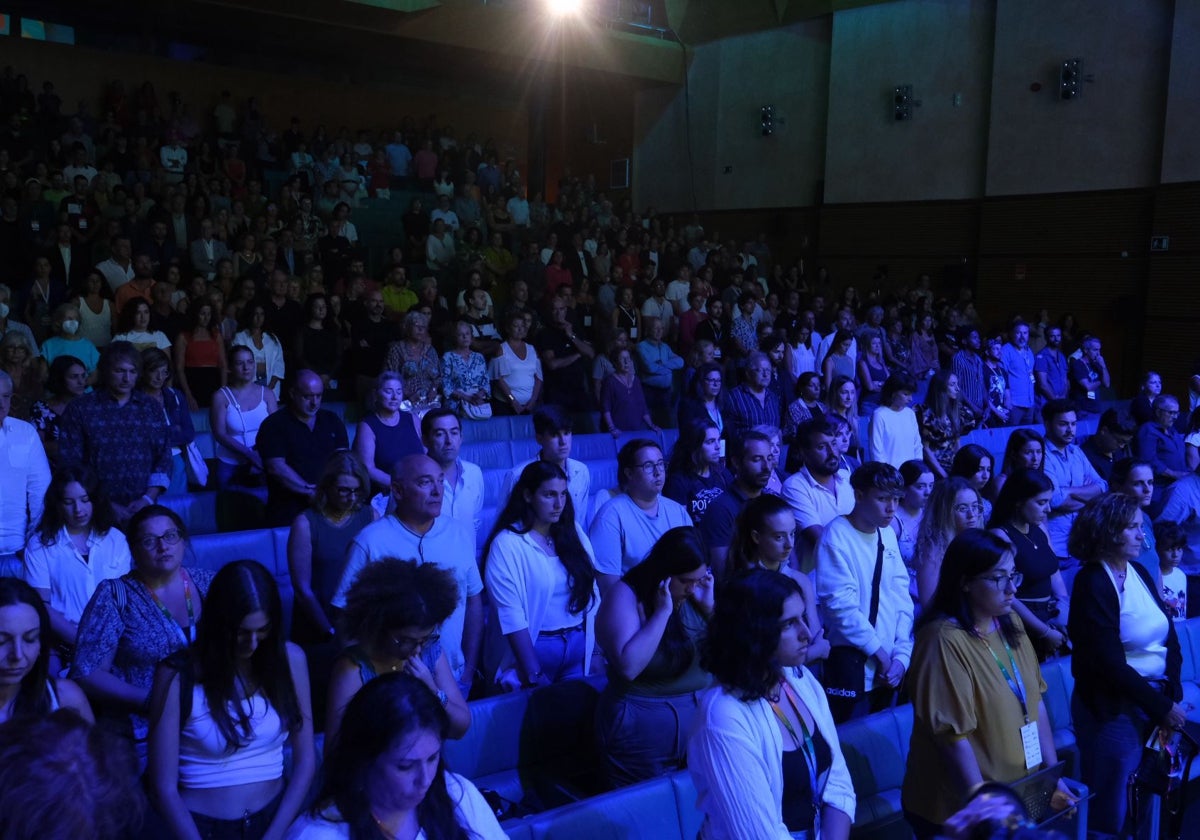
column 759, row 575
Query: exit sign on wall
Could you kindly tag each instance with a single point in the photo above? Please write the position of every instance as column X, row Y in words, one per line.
column 1160, row 243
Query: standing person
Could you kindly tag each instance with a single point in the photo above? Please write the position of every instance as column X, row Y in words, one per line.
column 1018, row 362
column 27, row 689
column 703, row 398
column 818, row 492
column 968, row 708
column 1089, row 375
column 416, row 530
column 135, row 621
column 119, row 432
column 750, row 462
column 387, row 432
column 318, row 343
column 954, row 506
column 295, row 445
column 24, row 477
column 873, row 374
column 200, row 356
column 416, row 360
column 1050, row 369
column 269, row 367
column 764, row 751
column 156, row 374
column 894, row 435
column 696, row 474
column 66, row 381
column 1136, row 479
column 394, row 611
column 628, row 525
column 1041, row 598
column 974, row 463
column 553, row 430
column 969, row 367
column 541, row 579
column 222, row 711
column 66, row 339
column 237, row 413
column 516, row 371
column 649, row 626
column 862, row 586
column 657, row 363
column 566, row 358
column 385, row 774
column 943, row 420
column 1126, row 661
column 752, row 403
column 1161, row 444
column 623, row 404
column 999, row 394
column 462, row 492
column 918, row 485
column 1076, row 481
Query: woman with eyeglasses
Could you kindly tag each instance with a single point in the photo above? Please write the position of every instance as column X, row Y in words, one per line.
column 649, row 626
column 953, row 507
column 702, row 403
column 394, row 609
column 135, row 621
column 1042, row 599
column 221, row 713
column 1126, row 659
column 978, row 714
column 541, row 579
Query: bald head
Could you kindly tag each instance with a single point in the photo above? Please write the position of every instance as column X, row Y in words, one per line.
column 306, row 394
column 417, row 490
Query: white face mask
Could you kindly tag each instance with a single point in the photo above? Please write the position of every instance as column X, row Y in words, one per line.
column 70, row 327
column 3, row 310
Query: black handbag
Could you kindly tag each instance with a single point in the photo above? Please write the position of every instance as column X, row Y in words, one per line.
column 843, row 673
column 1164, row 770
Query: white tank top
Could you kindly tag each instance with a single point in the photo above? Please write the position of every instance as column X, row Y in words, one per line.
column 205, row 760
column 241, row 424
column 95, row 328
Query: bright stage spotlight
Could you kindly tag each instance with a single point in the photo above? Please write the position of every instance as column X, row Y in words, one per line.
column 564, row 8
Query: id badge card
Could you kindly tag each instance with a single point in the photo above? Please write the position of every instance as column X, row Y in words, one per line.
column 716, row 352
column 633, row 332
column 587, row 320
column 1032, row 745
column 1091, row 395
column 721, row 444
column 1032, row 379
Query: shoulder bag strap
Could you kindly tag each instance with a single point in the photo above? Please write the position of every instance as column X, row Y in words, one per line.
column 875, row 580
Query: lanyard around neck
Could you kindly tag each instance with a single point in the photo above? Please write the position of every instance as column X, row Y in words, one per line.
column 807, row 747
column 1014, row 680
column 190, row 634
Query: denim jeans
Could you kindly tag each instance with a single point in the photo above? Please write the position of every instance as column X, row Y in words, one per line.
column 1110, row 749
column 249, row 827
column 560, row 654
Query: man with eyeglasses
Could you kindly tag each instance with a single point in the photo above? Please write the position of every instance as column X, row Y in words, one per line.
column 441, row 432
column 752, row 403
column 1160, row 443
column 1076, row 481
column 553, row 431
column 862, row 587
column 416, row 530
column 751, row 465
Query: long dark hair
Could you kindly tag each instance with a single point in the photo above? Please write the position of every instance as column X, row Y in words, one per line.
column 743, row 553
column 743, row 634
column 386, row 710
column 33, row 698
column 237, row 590
column 517, row 516
column 1016, row 442
column 969, row 555
column 53, row 522
column 677, row 552
column 1019, row 488
column 685, row 454
column 696, row 386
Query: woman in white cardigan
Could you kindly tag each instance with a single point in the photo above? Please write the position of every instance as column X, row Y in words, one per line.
column 541, row 577
column 764, row 751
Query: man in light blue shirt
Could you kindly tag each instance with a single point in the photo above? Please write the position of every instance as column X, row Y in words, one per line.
column 399, row 157
column 1018, row 361
column 657, row 363
column 1076, row 481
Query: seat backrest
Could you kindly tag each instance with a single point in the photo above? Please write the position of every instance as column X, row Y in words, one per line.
column 1059, row 685
column 645, row 811
column 876, row 749
column 488, row 454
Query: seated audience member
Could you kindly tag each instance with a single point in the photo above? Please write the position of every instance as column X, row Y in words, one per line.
column 649, row 626
column 20, row 363
column 750, row 463
column 1076, row 481
column 628, row 525
column 860, row 617
column 387, row 432
column 1111, row 442
column 462, row 493
column 134, row 622
column 565, row 357
column 66, row 381
column 222, row 711
column 1171, row 539
column 894, row 436
column 965, row 712
column 954, row 506
column 1025, row 450
column 1191, row 442
column 1181, row 503
column 974, row 463
column 316, row 548
column 918, row 485
column 1136, row 479
column 703, row 398
column 153, row 382
column 752, row 403
column 696, row 475
column 623, row 406
column 237, row 413
column 516, row 371
column 541, row 579
column 28, row 690
column 465, row 378
column 416, row 530
column 62, row 777
column 1141, row 407
column 394, row 610
column 1126, row 659
column 74, row 547
column 775, row 438
column 119, row 433
column 818, row 492
column 1161, row 444
column 764, row 537
column 295, row 444
column 764, row 751
column 1042, row 599
column 943, row 419
column 385, row 772
column 553, row 431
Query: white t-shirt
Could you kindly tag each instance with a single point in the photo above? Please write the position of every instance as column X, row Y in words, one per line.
column 622, row 533
column 1174, row 592
column 518, row 374
column 894, row 437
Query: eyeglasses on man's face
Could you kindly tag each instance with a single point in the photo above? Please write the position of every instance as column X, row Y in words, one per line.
column 652, row 467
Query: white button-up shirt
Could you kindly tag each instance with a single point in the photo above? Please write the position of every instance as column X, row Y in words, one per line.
column 61, row 570
column 24, row 477
column 463, row 500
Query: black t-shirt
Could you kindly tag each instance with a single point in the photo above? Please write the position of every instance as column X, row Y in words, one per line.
column 370, row 343
column 305, row 450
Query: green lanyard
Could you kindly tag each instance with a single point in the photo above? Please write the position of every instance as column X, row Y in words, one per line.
column 1017, row 687
column 807, row 747
column 190, row 635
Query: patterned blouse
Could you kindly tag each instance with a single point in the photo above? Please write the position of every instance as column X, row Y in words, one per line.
column 939, row 436
column 468, row 375
column 422, row 376
column 132, row 634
